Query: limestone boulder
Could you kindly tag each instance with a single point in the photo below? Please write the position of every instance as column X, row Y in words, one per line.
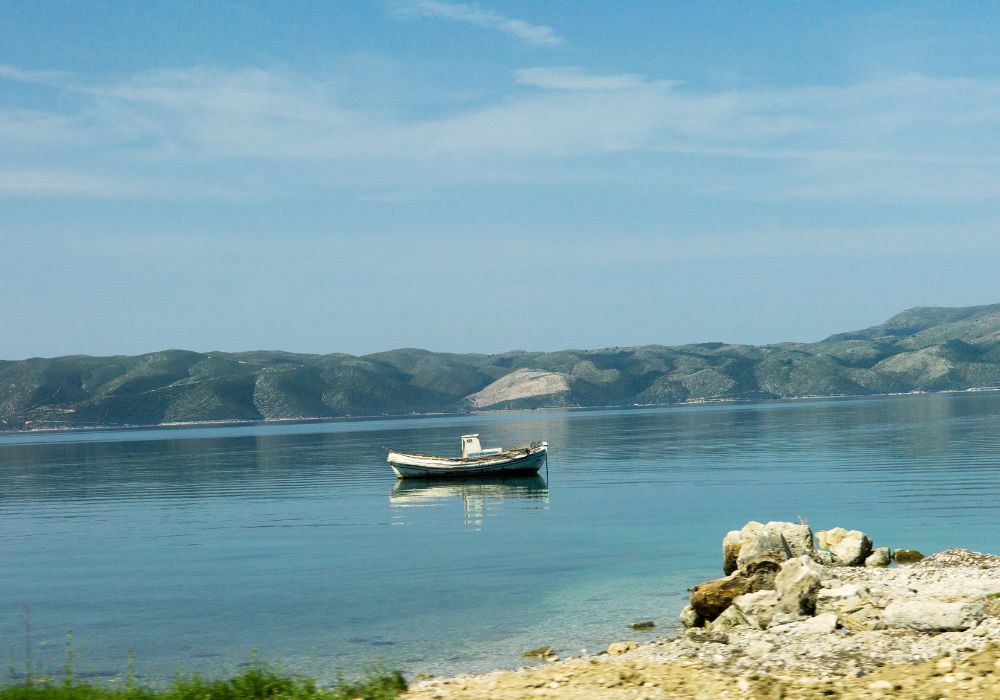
column 759, row 545
column 757, row 608
column 797, row 585
column 731, row 617
column 932, row 615
column 763, row 553
column 847, row 547
column 880, row 556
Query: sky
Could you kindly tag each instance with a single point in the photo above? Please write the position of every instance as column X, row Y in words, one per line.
column 480, row 177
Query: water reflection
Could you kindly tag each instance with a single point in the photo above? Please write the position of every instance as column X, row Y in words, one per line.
column 478, row 495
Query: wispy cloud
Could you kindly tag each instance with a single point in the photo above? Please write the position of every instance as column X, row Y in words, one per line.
column 471, row 13
column 902, row 138
column 59, row 182
column 575, row 78
column 23, row 75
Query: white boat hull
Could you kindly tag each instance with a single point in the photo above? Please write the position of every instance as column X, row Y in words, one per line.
column 517, row 461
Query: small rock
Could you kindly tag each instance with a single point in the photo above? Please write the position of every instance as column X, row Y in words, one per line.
column 689, row 617
column 907, row 556
column 821, row 624
column 642, row 625
column 619, row 648
column 880, row 685
column 880, row 556
column 758, row 649
column 945, row 665
column 538, row 653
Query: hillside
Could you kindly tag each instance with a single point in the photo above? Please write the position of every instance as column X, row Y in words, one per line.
column 922, row 349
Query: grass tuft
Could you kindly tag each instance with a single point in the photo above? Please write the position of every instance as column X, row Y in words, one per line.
column 259, row 682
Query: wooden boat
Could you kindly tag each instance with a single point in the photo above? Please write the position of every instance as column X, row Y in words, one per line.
column 475, row 461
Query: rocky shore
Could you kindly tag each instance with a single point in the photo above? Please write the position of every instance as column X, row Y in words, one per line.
column 801, row 624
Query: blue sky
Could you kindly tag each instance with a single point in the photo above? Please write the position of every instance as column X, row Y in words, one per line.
column 354, row 177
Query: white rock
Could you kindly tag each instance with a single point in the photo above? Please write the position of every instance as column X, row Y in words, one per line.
column 844, row 598
column 879, row 557
column 758, row 649
column 731, row 549
column 797, row 585
column 930, row 615
column 848, row 547
column 689, row 617
column 730, row 617
column 774, row 542
column 821, row 624
column 757, row 608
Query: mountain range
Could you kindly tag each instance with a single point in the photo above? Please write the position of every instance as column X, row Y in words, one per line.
column 922, row 349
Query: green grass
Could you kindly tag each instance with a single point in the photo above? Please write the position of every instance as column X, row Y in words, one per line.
column 259, row 682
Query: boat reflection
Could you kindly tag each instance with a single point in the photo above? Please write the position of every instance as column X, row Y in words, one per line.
column 478, row 495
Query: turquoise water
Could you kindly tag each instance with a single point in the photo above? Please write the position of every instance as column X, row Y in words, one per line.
column 192, row 547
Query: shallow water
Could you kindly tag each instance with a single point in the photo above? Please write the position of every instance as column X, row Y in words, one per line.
column 193, row 547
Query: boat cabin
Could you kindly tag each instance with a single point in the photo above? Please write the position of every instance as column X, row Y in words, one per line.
column 472, row 448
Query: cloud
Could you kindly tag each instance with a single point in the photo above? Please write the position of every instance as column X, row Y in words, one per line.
column 41, row 182
column 470, row 13
column 39, row 77
column 574, row 78
column 903, row 138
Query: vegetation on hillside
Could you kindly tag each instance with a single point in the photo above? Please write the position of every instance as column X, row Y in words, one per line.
column 922, row 349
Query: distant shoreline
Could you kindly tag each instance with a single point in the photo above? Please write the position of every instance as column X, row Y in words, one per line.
column 222, row 423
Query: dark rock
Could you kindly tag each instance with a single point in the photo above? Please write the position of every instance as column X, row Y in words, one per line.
column 642, row 625
column 711, row 598
column 538, row 653
column 907, row 556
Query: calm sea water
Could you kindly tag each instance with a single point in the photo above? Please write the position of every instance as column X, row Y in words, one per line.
column 193, row 547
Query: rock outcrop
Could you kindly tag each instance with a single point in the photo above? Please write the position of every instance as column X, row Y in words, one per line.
column 767, row 587
column 777, row 577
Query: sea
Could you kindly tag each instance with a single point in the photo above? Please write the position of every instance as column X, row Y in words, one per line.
column 169, row 551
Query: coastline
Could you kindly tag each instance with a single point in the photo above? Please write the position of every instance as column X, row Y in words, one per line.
column 804, row 659
column 486, row 412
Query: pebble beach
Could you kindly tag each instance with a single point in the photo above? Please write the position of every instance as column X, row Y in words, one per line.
column 826, row 654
